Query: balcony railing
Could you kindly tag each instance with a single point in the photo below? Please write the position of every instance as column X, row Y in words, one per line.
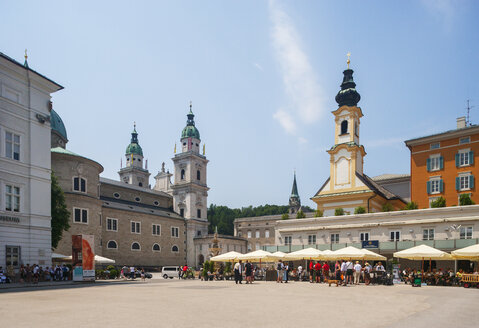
column 384, row 246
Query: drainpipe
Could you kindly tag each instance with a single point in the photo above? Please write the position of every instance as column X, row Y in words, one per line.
column 369, row 200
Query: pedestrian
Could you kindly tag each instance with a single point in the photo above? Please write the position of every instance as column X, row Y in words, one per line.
column 185, row 272
column 326, row 271
column 248, row 271
column 238, row 271
column 349, row 271
column 279, row 269
column 285, row 272
column 36, row 273
column 65, row 272
column 317, row 270
column 132, row 273
column 367, row 273
column 300, row 272
column 357, row 272
column 142, row 275
column 343, row 272
column 337, row 270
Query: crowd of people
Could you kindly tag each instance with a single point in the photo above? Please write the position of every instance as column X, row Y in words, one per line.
column 132, row 273
column 434, row 277
column 35, row 273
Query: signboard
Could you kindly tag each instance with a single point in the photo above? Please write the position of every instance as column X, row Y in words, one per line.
column 83, row 257
column 370, row 244
column 396, row 277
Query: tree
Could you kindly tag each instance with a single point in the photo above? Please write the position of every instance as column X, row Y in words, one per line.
column 318, row 214
column 465, row 199
column 440, row 202
column 300, row 215
column 60, row 215
column 411, row 206
column 359, row 210
column 339, row 211
column 285, row 216
column 387, row 207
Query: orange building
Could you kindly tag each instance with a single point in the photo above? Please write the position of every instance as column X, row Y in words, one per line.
column 443, row 165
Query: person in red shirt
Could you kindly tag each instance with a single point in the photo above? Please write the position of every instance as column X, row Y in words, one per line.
column 326, row 270
column 185, row 271
column 317, row 268
column 311, row 269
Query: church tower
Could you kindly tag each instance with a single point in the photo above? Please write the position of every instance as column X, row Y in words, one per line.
column 190, row 191
column 294, row 200
column 134, row 173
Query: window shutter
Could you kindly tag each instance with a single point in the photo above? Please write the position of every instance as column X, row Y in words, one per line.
column 428, row 164
column 441, row 185
column 429, row 187
column 457, row 160
column 441, row 163
column 471, row 181
column 458, row 183
column 471, row 157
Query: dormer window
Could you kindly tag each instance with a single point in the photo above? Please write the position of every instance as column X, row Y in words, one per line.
column 344, row 127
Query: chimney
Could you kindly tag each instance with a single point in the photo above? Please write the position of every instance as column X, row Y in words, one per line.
column 461, row 122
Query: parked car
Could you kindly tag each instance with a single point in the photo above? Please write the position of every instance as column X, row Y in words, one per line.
column 170, row 272
column 147, row 274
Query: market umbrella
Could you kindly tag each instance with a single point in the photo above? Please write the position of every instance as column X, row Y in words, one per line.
column 279, row 255
column 305, row 254
column 258, row 256
column 423, row 252
column 98, row 259
column 467, row 253
column 371, row 256
column 347, row 253
column 57, row 256
column 226, row 257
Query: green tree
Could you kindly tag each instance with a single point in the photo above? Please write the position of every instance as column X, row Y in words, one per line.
column 318, row 214
column 387, row 207
column 300, row 215
column 285, row 216
column 359, row 210
column 465, row 199
column 339, row 211
column 411, row 206
column 440, row 202
column 60, row 215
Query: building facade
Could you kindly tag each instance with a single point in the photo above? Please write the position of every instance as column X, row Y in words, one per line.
column 444, row 165
column 25, row 181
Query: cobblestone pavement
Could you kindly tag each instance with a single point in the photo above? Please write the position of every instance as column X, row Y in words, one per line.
column 194, row 303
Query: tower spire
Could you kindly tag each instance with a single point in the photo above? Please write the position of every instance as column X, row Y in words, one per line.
column 26, row 59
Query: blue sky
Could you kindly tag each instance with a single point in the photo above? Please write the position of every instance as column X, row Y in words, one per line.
column 262, row 77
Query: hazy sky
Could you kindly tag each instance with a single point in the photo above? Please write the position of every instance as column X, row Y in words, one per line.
column 262, row 77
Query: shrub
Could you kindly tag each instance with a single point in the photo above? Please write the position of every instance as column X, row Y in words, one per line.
column 228, row 267
column 359, row 210
column 440, row 202
column 113, row 274
column 300, row 215
column 465, row 199
column 387, row 207
column 318, row 214
column 110, row 267
column 285, row 216
column 411, row 206
column 339, row 211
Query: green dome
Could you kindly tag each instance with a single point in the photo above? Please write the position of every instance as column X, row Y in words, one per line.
column 190, row 130
column 134, row 148
column 57, row 125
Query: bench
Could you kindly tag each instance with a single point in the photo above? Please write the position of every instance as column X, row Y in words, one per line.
column 469, row 280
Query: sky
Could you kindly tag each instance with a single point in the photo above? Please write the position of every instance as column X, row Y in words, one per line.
column 262, row 77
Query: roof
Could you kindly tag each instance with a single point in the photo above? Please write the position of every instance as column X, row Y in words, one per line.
column 60, row 150
column 442, row 135
column 29, row 69
column 130, row 186
column 378, row 188
column 57, row 125
column 387, row 176
column 139, row 208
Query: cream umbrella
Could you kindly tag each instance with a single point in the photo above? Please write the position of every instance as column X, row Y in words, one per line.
column 258, row 256
column 98, row 259
column 347, row 253
column 279, row 255
column 423, row 252
column 371, row 256
column 305, row 254
column 226, row 257
column 467, row 253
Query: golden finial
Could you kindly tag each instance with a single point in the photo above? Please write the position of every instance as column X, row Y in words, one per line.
column 191, row 105
column 348, row 61
column 26, row 56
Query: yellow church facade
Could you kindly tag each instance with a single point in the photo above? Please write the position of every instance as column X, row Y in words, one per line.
column 348, row 187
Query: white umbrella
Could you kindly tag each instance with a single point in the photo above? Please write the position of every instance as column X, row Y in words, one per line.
column 58, row 256
column 423, row 252
column 279, row 255
column 347, row 253
column 98, row 259
column 226, row 257
column 258, row 256
column 371, row 256
column 469, row 252
column 305, row 254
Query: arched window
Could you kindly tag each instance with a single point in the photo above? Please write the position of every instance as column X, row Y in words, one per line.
column 156, row 247
column 112, row 245
column 135, row 246
column 174, row 249
column 344, row 127
column 183, row 174
column 198, row 175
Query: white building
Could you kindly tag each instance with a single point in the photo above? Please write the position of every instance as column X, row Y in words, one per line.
column 25, row 206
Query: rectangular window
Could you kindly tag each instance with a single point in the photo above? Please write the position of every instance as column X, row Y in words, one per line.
column 257, row 246
column 465, row 233
column 111, row 224
column 312, row 240
column 79, row 184
column 12, row 256
column 257, row 233
column 394, row 235
column 435, row 186
column 428, row 234
column 465, row 140
column 266, row 234
column 156, row 229
column 464, row 158
column 464, row 182
column 334, row 238
column 175, row 232
column 80, row 215
column 435, row 163
column 435, row 145
column 182, row 212
column 12, row 146
column 135, row 227
column 364, row 236
column 198, row 213
column 288, row 240
column 12, row 198
column 249, row 234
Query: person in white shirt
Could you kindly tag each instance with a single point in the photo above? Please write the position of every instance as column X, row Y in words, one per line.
column 238, row 271
column 132, row 272
column 343, row 271
column 357, row 272
column 300, row 272
column 380, row 267
column 349, row 271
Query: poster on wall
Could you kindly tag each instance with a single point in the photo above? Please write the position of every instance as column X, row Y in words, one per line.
column 83, row 258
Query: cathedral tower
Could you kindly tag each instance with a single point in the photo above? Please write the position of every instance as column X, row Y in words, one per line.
column 294, row 200
column 134, row 173
column 190, row 191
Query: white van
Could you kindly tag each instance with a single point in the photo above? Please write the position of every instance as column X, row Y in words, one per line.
column 170, row 272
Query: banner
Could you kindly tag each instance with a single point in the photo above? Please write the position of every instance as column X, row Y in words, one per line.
column 83, row 257
column 370, row 244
